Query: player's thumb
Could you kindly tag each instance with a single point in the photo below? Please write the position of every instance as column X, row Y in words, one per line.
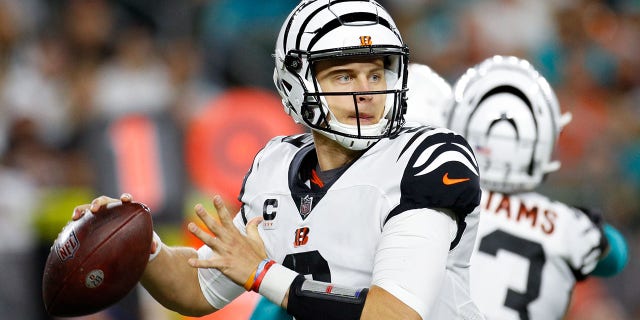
column 156, row 246
column 252, row 229
column 254, row 235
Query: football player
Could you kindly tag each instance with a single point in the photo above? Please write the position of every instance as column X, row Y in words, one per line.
column 360, row 218
column 430, row 99
column 531, row 250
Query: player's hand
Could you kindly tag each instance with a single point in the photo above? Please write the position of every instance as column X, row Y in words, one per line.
column 98, row 202
column 236, row 255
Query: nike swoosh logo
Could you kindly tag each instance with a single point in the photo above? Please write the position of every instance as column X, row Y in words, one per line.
column 448, row 181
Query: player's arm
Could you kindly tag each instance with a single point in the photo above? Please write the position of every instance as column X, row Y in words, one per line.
column 383, row 305
column 174, row 283
column 615, row 255
column 178, row 279
column 307, row 300
column 616, row 258
column 410, row 264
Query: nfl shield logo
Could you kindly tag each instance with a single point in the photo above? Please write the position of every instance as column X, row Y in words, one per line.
column 305, row 205
column 67, row 249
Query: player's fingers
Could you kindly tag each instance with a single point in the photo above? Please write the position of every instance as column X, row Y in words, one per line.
column 99, row 202
column 199, row 263
column 254, row 236
column 205, row 237
column 154, row 247
column 223, row 213
column 252, row 228
column 126, row 197
column 208, row 220
column 79, row 211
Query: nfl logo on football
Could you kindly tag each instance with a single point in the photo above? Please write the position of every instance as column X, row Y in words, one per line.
column 67, row 249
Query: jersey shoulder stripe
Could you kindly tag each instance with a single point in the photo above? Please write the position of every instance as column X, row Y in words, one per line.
column 441, row 173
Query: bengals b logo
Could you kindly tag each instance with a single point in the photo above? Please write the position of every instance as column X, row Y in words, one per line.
column 365, row 41
column 302, row 236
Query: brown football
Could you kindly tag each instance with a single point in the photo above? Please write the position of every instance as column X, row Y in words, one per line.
column 97, row 259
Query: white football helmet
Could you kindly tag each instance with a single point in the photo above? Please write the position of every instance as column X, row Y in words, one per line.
column 326, row 29
column 510, row 116
column 429, row 96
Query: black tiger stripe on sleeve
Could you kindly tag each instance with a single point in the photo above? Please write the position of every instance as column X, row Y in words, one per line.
column 442, row 173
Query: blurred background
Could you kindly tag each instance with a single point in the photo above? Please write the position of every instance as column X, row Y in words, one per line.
column 170, row 100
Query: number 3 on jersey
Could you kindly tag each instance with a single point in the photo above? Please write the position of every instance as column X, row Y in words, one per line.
column 532, row 251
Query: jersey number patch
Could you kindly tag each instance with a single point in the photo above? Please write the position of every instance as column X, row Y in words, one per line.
column 532, row 251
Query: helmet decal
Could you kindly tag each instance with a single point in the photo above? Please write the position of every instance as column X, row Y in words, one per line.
column 365, row 41
column 508, row 89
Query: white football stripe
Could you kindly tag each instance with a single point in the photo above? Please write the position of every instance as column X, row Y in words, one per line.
column 446, row 157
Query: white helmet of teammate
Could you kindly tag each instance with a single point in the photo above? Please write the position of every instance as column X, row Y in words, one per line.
column 325, row 29
column 429, row 96
column 511, row 118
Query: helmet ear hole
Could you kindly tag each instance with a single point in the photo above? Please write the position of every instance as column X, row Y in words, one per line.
column 293, row 63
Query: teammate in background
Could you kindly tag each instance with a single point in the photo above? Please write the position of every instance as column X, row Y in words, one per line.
column 429, row 96
column 362, row 217
column 531, row 250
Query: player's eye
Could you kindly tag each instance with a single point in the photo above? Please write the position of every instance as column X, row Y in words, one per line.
column 343, row 78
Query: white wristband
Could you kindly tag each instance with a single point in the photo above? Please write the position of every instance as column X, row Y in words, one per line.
column 276, row 283
column 156, row 239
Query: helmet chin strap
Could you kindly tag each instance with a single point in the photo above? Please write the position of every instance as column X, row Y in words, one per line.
column 368, row 130
column 355, row 143
column 347, row 129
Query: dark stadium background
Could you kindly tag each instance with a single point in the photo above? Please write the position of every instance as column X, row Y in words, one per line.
column 169, row 100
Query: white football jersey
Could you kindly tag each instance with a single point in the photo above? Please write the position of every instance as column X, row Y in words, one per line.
column 529, row 253
column 332, row 234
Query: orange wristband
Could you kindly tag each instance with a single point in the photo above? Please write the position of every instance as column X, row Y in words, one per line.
column 249, row 283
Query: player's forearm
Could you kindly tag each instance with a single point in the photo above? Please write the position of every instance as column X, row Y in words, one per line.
column 174, row 283
column 617, row 255
column 317, row 300
column 381, row 304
